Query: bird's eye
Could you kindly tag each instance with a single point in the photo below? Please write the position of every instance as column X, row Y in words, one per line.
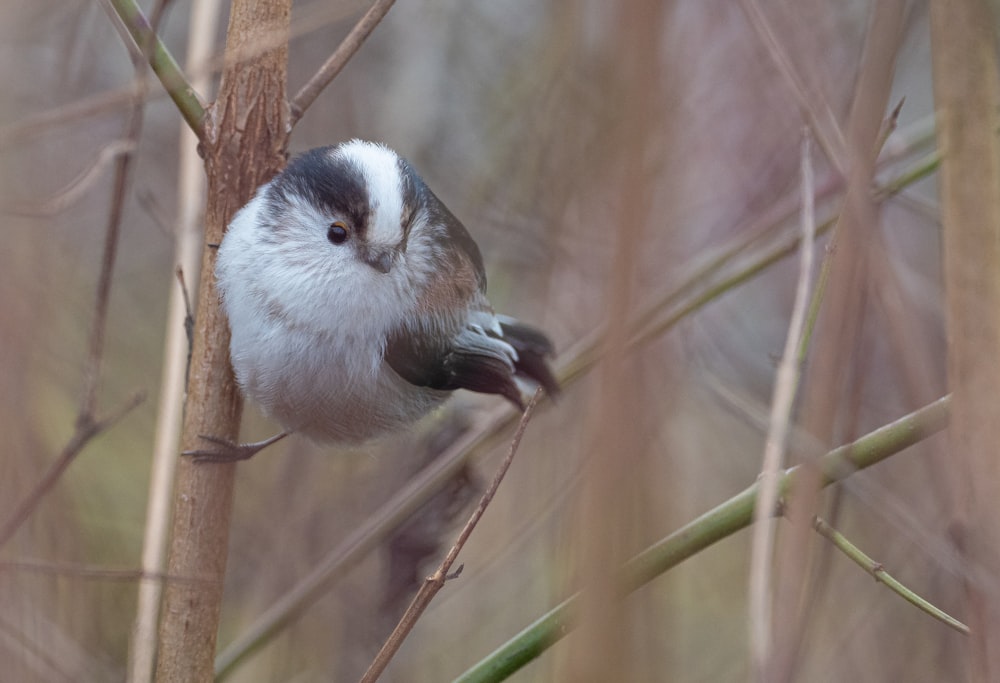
column 338, row 233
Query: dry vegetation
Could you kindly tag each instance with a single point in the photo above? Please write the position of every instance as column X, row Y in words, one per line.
column 627, row 171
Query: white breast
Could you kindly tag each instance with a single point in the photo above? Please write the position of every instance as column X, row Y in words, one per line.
column 308, row 341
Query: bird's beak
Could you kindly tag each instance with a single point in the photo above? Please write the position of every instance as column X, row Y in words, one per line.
column 379, row 258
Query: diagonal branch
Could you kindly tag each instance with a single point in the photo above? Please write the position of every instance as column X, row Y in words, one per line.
column 87, row 425
column 435, row 582
column 350, row 45
column 878, row 572
column 721, row 522
column 189, row 104
column 785, row 388
column 86, row 429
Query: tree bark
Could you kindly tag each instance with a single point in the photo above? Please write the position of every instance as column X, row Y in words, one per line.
column 245, row 144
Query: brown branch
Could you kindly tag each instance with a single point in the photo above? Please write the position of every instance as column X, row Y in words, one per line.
column 86, row 429
column 76, row 188
column 433, row 583
column 86, row 572
column 350, row 45
column 87, row 425
column 964, row 43
column 244, row 146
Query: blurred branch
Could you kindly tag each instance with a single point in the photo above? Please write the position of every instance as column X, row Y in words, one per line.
column 365, row 537
column 84, row 572
column 879, row 573
column 713, row 526
column 785, row 387
column 789, row 373
column 964, row 44
column 86, row 429
column 671, row 307
column 435, row 582
column 831, row 396
column 815, row 106
column 87, row 424
column 350, row 45
column 77, row 187
column 572, row 365
column 188, row 102
column 67, row 114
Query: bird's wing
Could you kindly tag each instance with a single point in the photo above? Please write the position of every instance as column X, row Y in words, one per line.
column 485, row 356
column 476, row 358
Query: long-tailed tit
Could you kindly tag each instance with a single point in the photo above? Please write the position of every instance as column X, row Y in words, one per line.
column 356, row 302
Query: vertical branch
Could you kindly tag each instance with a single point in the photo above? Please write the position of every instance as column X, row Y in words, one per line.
column 601, row 651
column 838, row 329
column 244, row 146
column 785, row 386
column 964, row 48
column 191, row 203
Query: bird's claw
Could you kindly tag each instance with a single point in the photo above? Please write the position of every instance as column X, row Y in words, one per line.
column 229, row 451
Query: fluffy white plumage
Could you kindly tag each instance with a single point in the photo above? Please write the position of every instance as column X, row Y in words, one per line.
column 356, row 300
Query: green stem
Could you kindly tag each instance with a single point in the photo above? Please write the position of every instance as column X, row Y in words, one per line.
column 882, row 576
column 723, row 521
column 162, row 62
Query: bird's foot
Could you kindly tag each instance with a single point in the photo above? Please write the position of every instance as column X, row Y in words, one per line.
column 229, row 451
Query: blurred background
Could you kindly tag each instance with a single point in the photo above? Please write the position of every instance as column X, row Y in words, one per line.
column 601, row 163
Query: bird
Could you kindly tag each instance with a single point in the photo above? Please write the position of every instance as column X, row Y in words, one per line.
column 356, row 303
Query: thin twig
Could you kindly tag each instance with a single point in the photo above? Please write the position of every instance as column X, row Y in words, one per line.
column 879, row 573
column 350, row 45
column 86, row 430
column 786, row 384
column 76, row 188
column 721, row 522
column 87, row 425
column 88, row 572
column 815, row 106
column 433, row 583
column 364, row 538
column 188, row 103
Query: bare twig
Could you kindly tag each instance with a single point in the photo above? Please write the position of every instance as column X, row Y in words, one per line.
column 718, row 523
column 86, row 572
column 351, row 44
column 433, row 583
column 39, row 124
column 86, row 429
column 879, row 573
column 76, row 188
column 366, row 536
column 827, row 400
column 815, row 106
column 786, row 383
column 87, row 425
column 162, row 62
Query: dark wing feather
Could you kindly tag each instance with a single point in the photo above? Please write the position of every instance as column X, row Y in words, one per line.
column 481, row 367
column 533, row 350
column 475, row 360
